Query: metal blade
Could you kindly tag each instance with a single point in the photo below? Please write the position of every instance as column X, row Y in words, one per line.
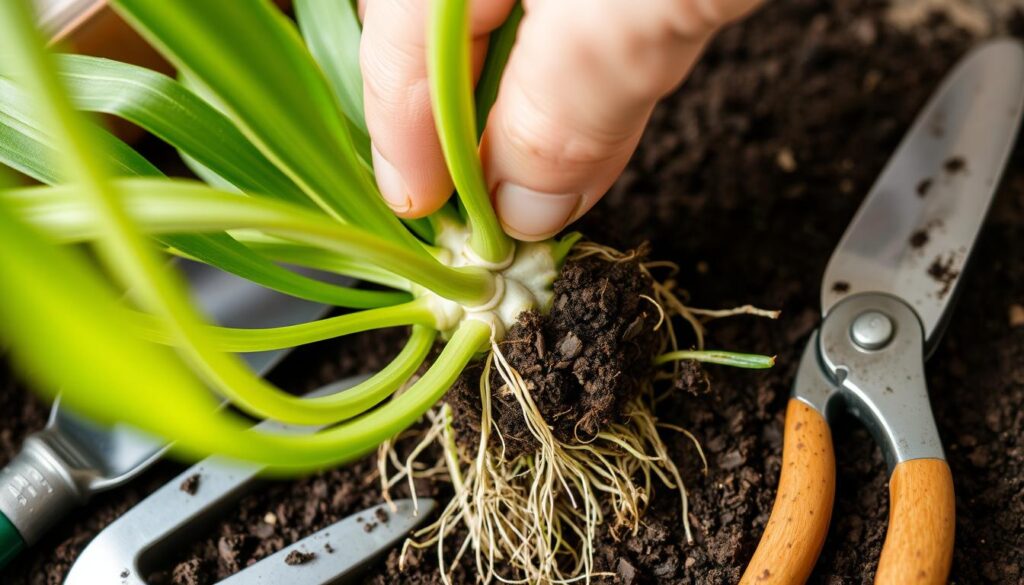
column 141, row 540
column 915, row 229
column 340, row 551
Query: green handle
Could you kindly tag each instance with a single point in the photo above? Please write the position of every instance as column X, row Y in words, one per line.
column 11, row 542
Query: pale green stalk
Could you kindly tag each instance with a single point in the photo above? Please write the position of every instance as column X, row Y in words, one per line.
column 237, row 340
column 451, row 90
column 172, row 206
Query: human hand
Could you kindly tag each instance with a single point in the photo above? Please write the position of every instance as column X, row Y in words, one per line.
column 578, row 89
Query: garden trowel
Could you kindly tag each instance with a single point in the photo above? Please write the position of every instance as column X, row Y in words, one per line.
column 63, row 465
column 140, row 541
column 886, row 297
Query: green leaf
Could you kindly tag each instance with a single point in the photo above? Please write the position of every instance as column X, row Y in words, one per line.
column 28, row 150
column 170, row 111
column 499, row 47
column 252, row 58
column 332, row 31
column 451, row 91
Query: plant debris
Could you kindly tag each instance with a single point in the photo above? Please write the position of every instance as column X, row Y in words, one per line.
column 923, row 187
column 942, row 271
column 191, row 484
column 919, row 239
column 298, row 557
column 954, row 164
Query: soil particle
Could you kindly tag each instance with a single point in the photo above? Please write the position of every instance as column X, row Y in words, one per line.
column 1016, row 318
column 580, row 362
column 382, row 515
column 297, row 557
column 190, row 572
column 191, row 484
column 840, row 287
column 328, row 548
column 941, row 270
column 919, row 239
column 955, row 164
column 124, row 574
column 923, row 187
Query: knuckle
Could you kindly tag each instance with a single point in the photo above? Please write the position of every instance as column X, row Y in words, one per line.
column 392, row 82
column 546, row 142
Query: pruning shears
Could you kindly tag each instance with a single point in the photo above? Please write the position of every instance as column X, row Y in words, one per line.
column 886, row 298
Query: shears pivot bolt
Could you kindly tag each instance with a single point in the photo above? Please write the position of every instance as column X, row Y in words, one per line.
column 872, row 330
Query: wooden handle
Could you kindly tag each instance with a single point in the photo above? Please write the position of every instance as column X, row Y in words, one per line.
column 797, row 527
column 918, row 546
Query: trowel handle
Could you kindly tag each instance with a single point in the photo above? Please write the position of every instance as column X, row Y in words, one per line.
column 36, row 491
column 800, row 516
column 922, row 518
column 11, row 542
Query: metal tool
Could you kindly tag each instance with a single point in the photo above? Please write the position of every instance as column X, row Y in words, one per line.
column 886, row 297
column 134, row 544
column 63, row 465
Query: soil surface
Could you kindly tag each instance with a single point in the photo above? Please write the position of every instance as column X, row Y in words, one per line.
column 583, row 360
column 746, row 178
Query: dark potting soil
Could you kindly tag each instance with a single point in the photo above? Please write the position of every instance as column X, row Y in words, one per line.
column 581, row 362
column 833, row 86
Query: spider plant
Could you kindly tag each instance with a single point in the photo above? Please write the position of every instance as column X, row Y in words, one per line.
column 270, row 117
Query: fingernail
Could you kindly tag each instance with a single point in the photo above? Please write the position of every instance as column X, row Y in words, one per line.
column 531, row 215
column 391, row 184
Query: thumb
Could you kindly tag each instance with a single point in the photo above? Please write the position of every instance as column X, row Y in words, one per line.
column 578, row 90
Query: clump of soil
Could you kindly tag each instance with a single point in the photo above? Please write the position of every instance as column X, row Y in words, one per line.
column 580, row 362
column 191, row 484
column 941, row 270
column 955, row 164
column 298, row 557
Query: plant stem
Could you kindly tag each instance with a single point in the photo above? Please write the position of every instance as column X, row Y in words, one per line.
column 174, row 206
column 451, row 88
column 725, row 358
column 353, row 439
column 236, row 340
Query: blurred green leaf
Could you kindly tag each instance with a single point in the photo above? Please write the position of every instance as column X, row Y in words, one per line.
column 24, row 147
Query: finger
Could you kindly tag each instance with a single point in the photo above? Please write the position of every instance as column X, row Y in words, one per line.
column 407, row 157
column 578, row 90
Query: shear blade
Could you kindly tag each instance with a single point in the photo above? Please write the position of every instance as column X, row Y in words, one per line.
column 915, row 229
